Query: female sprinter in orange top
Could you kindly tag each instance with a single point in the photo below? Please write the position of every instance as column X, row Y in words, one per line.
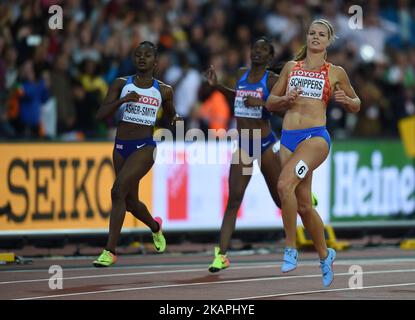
column 303, row 90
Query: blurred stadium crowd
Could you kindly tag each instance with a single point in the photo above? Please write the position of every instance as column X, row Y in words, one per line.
column 53, row 81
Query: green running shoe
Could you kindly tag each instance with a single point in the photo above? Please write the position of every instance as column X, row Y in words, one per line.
column 220, row 262
column 158, row 237
column 314, row 200
column 106, row 259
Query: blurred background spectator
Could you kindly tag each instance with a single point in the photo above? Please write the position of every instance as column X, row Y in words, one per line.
column 66, row 72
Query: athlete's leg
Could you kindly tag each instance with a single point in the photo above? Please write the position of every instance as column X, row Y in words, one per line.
column 134, row 168
column 271, row 170
column 118, row 161
column 311, row 219
column 312, row 153
column 289, row 221
column 238, row 181
column 139, row 210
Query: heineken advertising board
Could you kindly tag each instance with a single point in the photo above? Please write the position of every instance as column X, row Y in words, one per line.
column 371, row 181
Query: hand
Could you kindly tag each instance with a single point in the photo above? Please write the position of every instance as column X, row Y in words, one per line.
column 131, row 97
column 292, row 95
column 176, row 118
column 340, row 96
column 253, row 102
column 211, row 76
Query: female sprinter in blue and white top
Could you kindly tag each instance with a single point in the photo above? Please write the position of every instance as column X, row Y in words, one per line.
column 140, row 96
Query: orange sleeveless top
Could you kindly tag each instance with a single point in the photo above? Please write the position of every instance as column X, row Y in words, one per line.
column 314, row 84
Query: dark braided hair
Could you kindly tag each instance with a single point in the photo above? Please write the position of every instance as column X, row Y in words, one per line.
column 273, row 66
column 149, row 44
column 268, row 42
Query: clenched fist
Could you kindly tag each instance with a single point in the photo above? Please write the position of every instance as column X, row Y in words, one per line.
column 131, row 97
column 253, row 102
column 340, row 96
column 293, row 94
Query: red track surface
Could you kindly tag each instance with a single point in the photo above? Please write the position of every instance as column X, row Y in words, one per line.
column 388, row 273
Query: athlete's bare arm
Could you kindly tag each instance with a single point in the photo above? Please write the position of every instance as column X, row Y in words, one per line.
column 168, row 105
column 113, row 101
column 345, row 93
column 212, row 79
column 279, row 100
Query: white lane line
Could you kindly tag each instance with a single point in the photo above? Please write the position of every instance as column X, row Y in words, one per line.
column 135, row 274
column 324, row 291
column 241, row 266
column 68, row 268
column 149, row 266
column 345, row 261
column 205, row 283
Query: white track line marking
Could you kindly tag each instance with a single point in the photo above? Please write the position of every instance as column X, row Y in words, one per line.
column 277, row 264
column 324, row 291
column 241, row 266
column 133, row 274
column 204, row 283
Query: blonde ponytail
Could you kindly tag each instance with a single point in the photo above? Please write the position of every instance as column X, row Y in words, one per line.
column 301, row 54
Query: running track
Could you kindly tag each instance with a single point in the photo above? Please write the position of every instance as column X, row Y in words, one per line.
column 388, row 273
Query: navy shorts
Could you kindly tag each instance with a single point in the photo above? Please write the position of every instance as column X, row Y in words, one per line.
column 251, row 147
column 292, row 138
column 126, row 147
